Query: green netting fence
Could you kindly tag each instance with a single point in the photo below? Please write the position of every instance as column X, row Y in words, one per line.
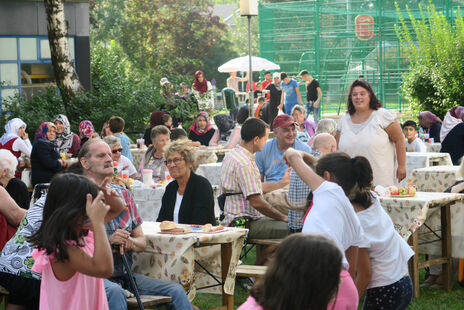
column 337, row 41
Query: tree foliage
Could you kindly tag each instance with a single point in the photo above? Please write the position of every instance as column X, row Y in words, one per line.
column 435, row 49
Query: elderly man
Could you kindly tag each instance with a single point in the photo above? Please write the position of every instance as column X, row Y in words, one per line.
column 125, row 232
column 16, row 260
column 298, row 191
column 240, row 176
column 272, row 167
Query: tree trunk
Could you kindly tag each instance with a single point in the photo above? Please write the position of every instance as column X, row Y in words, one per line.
column 65, row 75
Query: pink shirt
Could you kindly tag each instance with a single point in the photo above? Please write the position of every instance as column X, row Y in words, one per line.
column 250, row 304
column 79, row 292
column 239, row 174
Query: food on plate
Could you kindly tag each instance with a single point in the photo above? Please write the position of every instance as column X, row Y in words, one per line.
column 168, row 226
column 393, row 190
column 411, row 190
column 211, row 228
column 402, row 191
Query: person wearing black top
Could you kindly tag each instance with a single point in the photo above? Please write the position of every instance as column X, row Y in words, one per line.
column 201, row 130
column 15, row 187
column 313, row 95
column 454, row 143
column 188, row 199
column 45, row 159
column 275, row 93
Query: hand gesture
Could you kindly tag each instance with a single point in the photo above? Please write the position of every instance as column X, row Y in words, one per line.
column 291, row 153
column 108, row 192
column 25, row 136
column 123, row 239
column 285, row 180
column 96, row 209
column 401, row 173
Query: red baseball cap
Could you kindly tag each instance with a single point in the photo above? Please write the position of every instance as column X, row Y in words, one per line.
column 283, row 120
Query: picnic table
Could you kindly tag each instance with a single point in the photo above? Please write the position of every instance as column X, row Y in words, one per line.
column 416, row 160
column 183, row 258
column 433, row 147
column 137, row 154
column 212, row 172
column 433, row 178
column 410, row 213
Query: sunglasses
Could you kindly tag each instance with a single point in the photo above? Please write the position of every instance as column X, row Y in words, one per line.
column 116, row 150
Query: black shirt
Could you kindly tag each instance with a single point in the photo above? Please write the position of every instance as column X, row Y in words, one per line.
column 274, row 95
column 311, row 90
column 18, row 191
column 434, row 131
column 203, row 139
column 454, row 143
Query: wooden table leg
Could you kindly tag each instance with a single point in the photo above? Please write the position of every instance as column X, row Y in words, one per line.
column 414, row 264
column 446, row 246
column 226, row 254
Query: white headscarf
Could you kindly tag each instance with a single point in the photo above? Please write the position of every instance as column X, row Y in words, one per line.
column 448, row 124
column 11, row 130
column 64, row 140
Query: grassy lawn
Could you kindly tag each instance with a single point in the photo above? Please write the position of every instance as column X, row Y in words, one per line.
column 429, row 299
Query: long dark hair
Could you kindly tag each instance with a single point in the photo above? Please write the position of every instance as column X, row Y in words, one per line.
column 303, row 274
column 65, row 204
column 354, row 175
column 374, row 103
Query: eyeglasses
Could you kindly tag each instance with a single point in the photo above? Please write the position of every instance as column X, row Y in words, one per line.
column 174, row 161
column 116, row 150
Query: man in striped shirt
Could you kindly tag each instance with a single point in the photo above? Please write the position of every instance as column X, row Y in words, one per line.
column 240, row 175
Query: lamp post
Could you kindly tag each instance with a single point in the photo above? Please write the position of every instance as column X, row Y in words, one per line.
column 249, row 8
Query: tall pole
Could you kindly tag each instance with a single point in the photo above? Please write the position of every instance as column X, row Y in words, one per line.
column 250, row 72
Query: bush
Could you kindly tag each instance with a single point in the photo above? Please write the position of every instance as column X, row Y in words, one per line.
column 435, row 51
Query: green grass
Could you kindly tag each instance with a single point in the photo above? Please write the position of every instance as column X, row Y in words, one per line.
column 437, row 299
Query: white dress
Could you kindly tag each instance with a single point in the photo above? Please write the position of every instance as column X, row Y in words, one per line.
column 369, row 139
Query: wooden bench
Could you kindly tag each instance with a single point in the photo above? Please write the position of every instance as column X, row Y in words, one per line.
column 250, row 271
column 265, row 241
column 147, row 301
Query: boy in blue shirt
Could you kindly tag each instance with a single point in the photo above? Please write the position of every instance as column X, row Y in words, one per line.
column 290, row 93
column 116, row 125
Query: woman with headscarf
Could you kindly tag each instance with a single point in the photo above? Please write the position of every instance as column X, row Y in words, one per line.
column 45, row 159
column 227, row 134
column 431, row 123
column 67, row 142
column 452, row 134
column 16, row 140
column 201, row 129
column 86, row 131
column 156, row 119
column 200, row 87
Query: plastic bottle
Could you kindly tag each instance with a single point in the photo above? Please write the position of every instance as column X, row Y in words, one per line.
column 115, row 167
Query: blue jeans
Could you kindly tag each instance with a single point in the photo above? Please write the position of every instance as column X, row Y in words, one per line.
column 396, row 296
column 147, row 286
column 310, row 109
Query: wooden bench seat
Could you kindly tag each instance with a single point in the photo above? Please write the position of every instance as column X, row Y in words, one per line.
column 265, row 241
column 250, row 271
column 147, row 301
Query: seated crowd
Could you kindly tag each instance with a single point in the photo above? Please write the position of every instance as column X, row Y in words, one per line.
column 305, row 182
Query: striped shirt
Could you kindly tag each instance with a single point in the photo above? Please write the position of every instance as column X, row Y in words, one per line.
column 239, row 174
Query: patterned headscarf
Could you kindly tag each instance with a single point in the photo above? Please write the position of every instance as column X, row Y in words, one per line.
column 86, row 129
column 427, row 119
column 11, row 130
column 201, row 87
column 41, row 132
column 194, row 127
column 64, row 140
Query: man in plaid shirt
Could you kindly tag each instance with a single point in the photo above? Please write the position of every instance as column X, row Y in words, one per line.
column 298, row 191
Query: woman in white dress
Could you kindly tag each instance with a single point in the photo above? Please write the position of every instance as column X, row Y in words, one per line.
column 373, row 132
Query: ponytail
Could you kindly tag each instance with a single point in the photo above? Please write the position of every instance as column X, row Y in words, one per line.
column 361, row 193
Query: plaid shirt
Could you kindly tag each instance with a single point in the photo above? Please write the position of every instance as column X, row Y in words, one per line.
column 239, row 174
column 298, row 193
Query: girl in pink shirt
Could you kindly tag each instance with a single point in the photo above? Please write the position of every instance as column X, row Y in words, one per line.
column 304, row 274
column 73, row 252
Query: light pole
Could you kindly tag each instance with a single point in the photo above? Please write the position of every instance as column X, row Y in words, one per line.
column 249, row 8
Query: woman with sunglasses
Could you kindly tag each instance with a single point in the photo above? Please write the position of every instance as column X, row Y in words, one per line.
column 188, row 199
column 124, row 163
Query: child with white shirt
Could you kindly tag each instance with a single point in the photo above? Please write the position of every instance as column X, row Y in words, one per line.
column 413, row 144
column 332, row 214
column 382, row 271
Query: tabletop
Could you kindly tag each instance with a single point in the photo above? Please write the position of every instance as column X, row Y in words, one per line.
column 433, row 178
column 410, row 213
column 433, row 147
column 172, row 257
column 416, row 160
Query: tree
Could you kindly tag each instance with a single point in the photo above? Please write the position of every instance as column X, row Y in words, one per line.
column 177, row 33
column 65, row 74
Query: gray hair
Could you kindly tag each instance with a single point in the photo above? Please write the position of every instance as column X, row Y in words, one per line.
column 300, row 109
column 8, row 161
column 112, row 140
column 326, row 126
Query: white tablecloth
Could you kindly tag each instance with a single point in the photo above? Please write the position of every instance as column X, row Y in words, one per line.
column 416, row 160
column 433, row 147
column 212, row 172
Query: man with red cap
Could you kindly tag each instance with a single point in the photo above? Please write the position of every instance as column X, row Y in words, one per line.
column 272, row 167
